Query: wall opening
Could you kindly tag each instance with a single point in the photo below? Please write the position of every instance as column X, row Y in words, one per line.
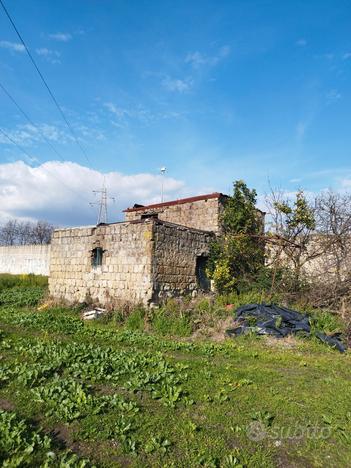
column 200, row 271
column 149, row 216
column 96, row 258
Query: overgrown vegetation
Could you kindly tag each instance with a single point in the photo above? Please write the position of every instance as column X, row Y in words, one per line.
column 22, row 281
column 237, row 255
column 23, row 445
column 22, row 290
column 306, row 249
column 109, row 394
column 144, row 387
column 308, row 245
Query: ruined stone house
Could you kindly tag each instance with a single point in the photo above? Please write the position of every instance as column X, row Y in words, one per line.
column 159, row 251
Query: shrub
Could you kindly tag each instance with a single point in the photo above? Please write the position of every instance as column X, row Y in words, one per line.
column 323, row 320
column 249, row 297
column 136, row 319
column 238, row 254
column 166, row 324
column 174, row 318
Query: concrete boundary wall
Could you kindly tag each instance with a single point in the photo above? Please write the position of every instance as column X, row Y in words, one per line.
column 25, row 259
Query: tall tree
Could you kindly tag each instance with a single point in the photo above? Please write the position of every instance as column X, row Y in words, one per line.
column 15, row 232
column 8, row 233
column 333, row 216
column 41, row 232
column 238, row 254
column 295, row 223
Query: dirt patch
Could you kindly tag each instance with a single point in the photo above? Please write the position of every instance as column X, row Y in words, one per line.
column 6, row 405
column 106, row 389
column 216, row 333
column 62, row 435
column 284, row 460
column 97, row 452
column 288, row 342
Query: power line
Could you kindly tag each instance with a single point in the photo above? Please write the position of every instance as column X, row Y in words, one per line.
column 15, row 143
column 47, row 141
column 30, row 120
column 45, row 83
column 102, row 216
column 31, row 157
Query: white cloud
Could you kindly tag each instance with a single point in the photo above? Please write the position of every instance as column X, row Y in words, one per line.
column 301, row 42
column 295, row 181
column 138, row 113
column 87, row 132
column 301, row 128
column 43, row 51
column 61, row 37
column 303, row 125
column 14, row 46
column 122, row 114
column 345, row 183
column 60, row 192
column 176, row 84
column 333, row 95
column 51, row 56
column 27, row 135
column 118, row 111
column 197, row 59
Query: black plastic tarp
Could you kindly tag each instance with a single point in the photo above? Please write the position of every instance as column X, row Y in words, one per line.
column 270, row 319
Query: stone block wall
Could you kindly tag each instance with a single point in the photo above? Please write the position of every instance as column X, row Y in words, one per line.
column 323, row 260
column 175, row 259
column 142, row 262
column 125, row 273
column 197, row 212
column 25, row 259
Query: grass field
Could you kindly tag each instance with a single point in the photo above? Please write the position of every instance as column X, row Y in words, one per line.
column 83, row 394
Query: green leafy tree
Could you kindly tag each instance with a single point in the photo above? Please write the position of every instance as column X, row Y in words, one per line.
column 294, row 221
column 237, row 255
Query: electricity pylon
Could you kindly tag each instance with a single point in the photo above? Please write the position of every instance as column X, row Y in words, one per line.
column 102, row 204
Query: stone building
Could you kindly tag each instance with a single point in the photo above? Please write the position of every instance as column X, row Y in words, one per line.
column 159, row 251
column 201, row 212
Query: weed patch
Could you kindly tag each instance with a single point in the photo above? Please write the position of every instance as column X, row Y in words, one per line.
column 21, row 296
column 126, row 397
column 25, row 281
column 21, row 445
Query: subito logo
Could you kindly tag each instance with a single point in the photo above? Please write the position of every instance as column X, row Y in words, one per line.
column 256, row 431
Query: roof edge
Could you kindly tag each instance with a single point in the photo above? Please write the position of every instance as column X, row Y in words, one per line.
column 132, row 222
column 180, row 201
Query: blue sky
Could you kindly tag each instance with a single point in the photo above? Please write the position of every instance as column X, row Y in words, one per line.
column 213, row 90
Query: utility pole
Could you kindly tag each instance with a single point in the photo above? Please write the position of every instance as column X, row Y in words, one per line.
column 102, row 204
column 163, row 171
